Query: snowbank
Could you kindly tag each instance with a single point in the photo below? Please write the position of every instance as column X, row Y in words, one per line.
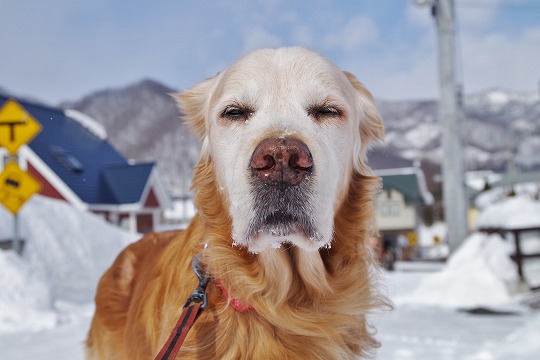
column 65, row 254
column 477, row 274
column 24, row 295
column 514, row 212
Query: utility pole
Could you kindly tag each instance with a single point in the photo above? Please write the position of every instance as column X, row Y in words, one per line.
column 455, row 205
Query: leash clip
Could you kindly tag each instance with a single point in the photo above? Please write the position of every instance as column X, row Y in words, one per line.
column 199, row 295
column 193, row 307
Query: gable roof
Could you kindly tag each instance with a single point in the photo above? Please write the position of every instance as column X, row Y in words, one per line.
column 408, row 181
column 400, row 174
column 407, row 184
column 85, row 161
column 126, row 183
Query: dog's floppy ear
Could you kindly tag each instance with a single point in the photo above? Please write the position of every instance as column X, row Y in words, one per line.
column 371, row 125
column 192, row 104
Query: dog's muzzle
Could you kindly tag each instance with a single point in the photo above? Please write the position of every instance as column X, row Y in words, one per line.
column 281, row 170
column 281, row 162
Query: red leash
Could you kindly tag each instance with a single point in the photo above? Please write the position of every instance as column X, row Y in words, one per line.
column 179, row 333
column 193, row 307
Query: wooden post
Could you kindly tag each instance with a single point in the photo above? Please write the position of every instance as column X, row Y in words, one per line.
column 519, row 255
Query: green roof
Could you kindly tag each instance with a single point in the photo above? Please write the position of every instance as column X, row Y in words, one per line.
column 407, row 184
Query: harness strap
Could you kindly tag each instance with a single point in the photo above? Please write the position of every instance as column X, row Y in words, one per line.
column 180, row 331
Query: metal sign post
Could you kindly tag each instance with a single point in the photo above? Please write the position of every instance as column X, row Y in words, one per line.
column 16, row 238
column 17, row 127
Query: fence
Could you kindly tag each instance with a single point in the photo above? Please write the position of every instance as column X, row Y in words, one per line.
column 522, row 253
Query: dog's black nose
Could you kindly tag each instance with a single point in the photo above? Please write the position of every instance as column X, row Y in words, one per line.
column 282, row 161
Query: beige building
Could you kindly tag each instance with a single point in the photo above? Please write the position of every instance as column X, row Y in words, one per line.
column 399, row 203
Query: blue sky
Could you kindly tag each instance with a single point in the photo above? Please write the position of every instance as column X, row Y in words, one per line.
column 59, row 50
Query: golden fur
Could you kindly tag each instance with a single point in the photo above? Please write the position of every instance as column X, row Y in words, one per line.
column 308, row 305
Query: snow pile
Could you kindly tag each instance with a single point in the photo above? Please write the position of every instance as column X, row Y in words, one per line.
column 65, row 254
column 514, row 212
column 518, row 212
column 24, row 295
column 500, row 194
column 479, row 273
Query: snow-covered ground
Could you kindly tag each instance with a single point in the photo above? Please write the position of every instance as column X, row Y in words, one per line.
column 65, row 254
column 427, row 332
column 46, row 296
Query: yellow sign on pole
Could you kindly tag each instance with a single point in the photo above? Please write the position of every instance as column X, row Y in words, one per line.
column 17, row 126
column 16, row 187
column 413, row 238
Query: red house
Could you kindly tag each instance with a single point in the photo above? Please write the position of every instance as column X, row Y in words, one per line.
column 74, row 162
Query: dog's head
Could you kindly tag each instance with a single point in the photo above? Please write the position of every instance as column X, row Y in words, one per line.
column 284, row 130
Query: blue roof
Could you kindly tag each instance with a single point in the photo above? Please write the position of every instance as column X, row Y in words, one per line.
column 87, row 164
column 127, row 182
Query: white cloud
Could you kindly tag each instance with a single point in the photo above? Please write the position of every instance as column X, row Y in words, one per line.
column 470, row 16
column 486, row 56
column 69, row 48
column 478, row 16
column 269, row 3
column 303, row 36
column 258, row 37
column 356, row 33
column 418, row 82
column 499, row 60
column 419, row 15
column 415, row 78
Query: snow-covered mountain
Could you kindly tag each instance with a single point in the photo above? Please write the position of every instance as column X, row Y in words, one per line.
column 143, row 123
column 496, row 124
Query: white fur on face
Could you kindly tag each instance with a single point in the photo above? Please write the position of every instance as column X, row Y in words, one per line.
column 277, row 88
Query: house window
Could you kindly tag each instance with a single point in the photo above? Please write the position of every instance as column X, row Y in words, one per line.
column 389, row 208
column 69, row 161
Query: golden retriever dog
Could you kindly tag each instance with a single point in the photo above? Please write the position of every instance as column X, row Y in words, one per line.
column 284, row 200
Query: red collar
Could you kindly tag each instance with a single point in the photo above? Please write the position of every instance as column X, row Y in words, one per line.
column 237, row 304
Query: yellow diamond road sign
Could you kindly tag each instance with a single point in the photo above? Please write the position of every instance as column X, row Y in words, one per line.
column 16, row 187
column 17, row 126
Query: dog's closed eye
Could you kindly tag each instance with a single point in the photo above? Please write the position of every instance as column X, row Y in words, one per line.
column 236, row 112
column 325, row 112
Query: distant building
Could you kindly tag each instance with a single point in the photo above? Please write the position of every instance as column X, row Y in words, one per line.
column 399, row 203
column 74, row 162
